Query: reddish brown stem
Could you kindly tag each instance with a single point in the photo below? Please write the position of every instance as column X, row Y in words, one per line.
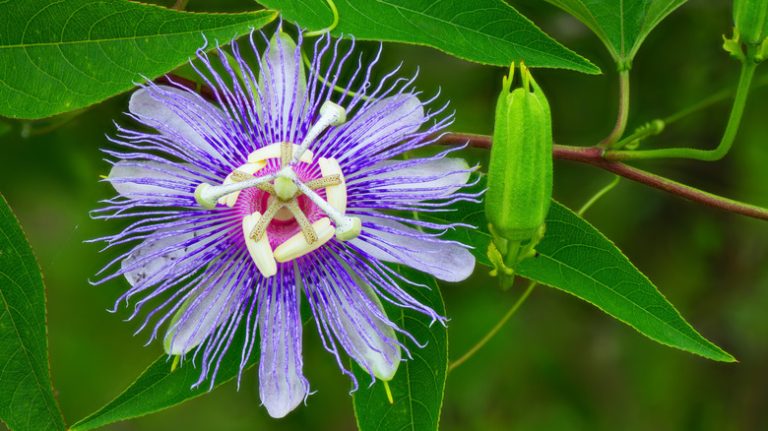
column 594, row 156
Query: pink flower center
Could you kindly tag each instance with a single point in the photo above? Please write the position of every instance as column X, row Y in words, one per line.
column 283, row 225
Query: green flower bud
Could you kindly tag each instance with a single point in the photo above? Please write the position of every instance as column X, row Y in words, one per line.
column 519, row 174
column 751, row 20
column 520, row 170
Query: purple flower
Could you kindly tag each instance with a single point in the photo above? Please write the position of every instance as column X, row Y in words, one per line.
column 281, row 191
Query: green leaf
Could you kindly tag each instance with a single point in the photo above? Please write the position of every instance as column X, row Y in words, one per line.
column 159, row 388
column 26, row 396
column 575, row 257
column 622, row 25
column 484, row 31
column 417, row 388
column 60, row 56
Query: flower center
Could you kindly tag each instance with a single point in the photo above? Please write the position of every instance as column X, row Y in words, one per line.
column 287, row 208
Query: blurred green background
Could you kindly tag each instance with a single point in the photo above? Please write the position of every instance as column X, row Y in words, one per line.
column 560, row 364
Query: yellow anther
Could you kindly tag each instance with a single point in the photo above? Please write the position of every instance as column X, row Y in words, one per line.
column 274, row 151
column 260, row 228
column 323, row 182
column 260, row 250
column 267, row 187
column 306, row 227
column 297, row 246
column 286, row 153
column 242, row 173
column 336, row 195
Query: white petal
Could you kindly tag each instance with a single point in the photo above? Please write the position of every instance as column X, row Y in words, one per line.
column 390, row 119
column 144, row 105
column 417, row 177
column 282, row 386
column 197, row 319
column 283, row 83
column 155, row 267
column 446, row 261
column 374, row 343
column 124, row 171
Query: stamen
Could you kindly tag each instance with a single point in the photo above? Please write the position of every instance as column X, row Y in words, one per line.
column 260, row 250
column 260, row 228
column 207, row 195
column 331, row 114
column 274, row 151
column 242, row 173
column 297, row 246
column 286, row 153
column 306, row 227
column 267, row 187
column 323, row 182
column 237, row 176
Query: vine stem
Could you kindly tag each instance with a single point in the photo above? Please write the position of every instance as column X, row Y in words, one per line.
column 479, row 345
column 726, row 142
column 600, row 193
column 595, row 156
column 623, row 114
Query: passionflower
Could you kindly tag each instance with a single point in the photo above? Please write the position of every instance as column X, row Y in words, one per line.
column 277, row 189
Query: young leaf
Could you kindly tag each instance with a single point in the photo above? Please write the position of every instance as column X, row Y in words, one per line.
column 417, row 388
column 159, row 388
column 60, row 56
column 485, row 31
column 622, row 25
column 26, row 397
column 575, row 257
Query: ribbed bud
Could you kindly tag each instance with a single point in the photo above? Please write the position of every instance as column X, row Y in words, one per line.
column 520, row 170
column 751, row 20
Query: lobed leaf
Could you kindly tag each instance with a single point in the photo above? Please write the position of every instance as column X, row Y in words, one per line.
column 61, row 56
column 26, row 396
column 417, row 388
column 484, row 31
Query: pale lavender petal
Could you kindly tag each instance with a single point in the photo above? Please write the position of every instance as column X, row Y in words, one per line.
column 444, row 176
column 374, row 345
column 282, row 386
column 152, row 105
column 390, row 119
column 408, row 246
column 146, row 178
column 154, row 267
column 212, row 305
column 283, row 87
